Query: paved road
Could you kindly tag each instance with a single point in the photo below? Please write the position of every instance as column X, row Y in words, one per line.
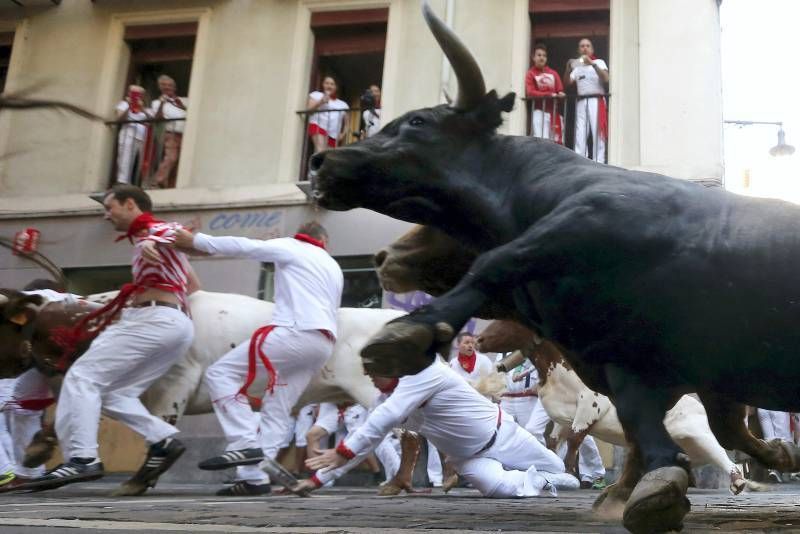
column 173, row 507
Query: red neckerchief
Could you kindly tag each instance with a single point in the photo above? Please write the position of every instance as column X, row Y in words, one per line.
column 391, row 386
column 602, row 113
column 142, row 222
column 308, row 239
column 468, row 362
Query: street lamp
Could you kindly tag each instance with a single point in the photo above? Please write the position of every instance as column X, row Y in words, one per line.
column 781, row 149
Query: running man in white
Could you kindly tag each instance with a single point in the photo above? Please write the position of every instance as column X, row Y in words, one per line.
column 484, row 444
column 288, row 352
column 152, row 332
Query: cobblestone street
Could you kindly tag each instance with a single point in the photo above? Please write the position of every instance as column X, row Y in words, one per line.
column 173, row 507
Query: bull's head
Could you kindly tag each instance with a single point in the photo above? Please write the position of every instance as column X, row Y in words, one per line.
column 18, row 312
column 417, row 162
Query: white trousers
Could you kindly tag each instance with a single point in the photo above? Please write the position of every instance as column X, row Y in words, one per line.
column 30, row 385
column 775, row 425
column 296, row 355
column 434, row 466
column 517, row 465
column 302, row 424
column 6, row 441
column 586, row 124
column 590, row 463
column 388, row 455
column 541, row 125
column 120, row 364
column 520, row 408
column 538, row 421
column 128, row 150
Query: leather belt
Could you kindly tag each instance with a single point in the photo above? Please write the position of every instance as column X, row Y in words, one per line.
column 494, row 436
column 151, row 303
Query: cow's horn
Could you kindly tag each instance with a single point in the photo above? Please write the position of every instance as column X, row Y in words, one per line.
column 3, row 299
column 471, row 87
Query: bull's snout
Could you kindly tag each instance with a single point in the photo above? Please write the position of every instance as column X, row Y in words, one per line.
column 380, row 257
column 316, row 161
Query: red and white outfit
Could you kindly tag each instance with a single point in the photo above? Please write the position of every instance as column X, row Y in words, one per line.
column 472, row 368
column 130, row 141
column 328, row 119
column 129, row 355
column 520, row 398
column 308, row 293
column 546, row 118
column 483, row 443
column 591, row 115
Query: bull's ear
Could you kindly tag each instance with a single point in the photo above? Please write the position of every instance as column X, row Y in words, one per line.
column 22, row 310
column 507, row 102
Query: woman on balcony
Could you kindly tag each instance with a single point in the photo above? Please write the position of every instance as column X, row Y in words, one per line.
column 329, row 126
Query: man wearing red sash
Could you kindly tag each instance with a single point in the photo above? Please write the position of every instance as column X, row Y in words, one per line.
column 153, row 330
column 289, row 351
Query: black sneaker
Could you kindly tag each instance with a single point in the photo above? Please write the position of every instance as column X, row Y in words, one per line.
column 75, row 470
column 160, row 457
column 232, row 459
column 242, row 488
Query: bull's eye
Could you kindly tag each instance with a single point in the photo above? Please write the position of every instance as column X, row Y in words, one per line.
column 416, row 121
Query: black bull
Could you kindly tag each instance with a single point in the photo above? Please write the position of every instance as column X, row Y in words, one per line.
column 654, row 286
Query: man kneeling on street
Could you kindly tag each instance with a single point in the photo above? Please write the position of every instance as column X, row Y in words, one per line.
column 484, row 444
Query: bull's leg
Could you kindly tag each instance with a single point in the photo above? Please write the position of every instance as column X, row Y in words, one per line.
column 611, row 502
column 658, row 503
column 574, row 440
column 727, row 422
column 410, row 443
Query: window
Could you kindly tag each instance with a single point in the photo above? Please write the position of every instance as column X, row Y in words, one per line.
column 148, row 153
column 361, row 286
column 350, row 46
column 560, row 25
column 90, row 280
column 6, row 41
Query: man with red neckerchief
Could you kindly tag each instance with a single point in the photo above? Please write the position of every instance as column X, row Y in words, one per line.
column 152, row 332
column 589, row 74
column 289, row 351
column 484, row 444
column 470, row 364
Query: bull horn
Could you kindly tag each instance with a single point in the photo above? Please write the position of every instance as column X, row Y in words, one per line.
column 471, row 87
column 3, row 299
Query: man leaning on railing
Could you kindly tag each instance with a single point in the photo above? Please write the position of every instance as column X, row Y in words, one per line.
column 130, row 141
column 543, row 86
column 173, row 108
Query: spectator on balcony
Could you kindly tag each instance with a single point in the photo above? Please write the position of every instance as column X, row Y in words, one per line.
column 371, row 111
column 543, row 86
column 590, row 75
column 328, row 128
column 173, row 108
column 130, row 140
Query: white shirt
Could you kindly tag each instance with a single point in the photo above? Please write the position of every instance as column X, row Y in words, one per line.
column 332, row 121
column 587, row 79
column 308, row 282
column 483, row 367
column 372, row 121
column 528, row 382
column 171, row 111
column 139, row 129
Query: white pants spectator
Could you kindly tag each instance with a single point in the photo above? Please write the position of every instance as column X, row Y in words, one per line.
column 775, row 425
column 388, row 454
column 302, row 424
column 517, row 465
column 586, row 124
column 296, row 355
column 520, row 408
column 541, row 125
column 537, row 422
column 129, row 150
column 434, row 466
column 31, row 385
column 120, row 364
column 7, row 463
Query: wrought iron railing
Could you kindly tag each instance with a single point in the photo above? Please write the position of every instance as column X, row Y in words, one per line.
column 146, row 152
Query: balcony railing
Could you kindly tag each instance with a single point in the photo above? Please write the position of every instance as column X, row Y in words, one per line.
column 563, row 119
column 146, row 152
column 353, row 133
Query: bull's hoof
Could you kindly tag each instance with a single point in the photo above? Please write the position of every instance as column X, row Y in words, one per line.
column 658, row 502
column 389, row 490
column 611, row 502
column 401, row 348
column 450, row 483
column 40, row 450
column 131, row 488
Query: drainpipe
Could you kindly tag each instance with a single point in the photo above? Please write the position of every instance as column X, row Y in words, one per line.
column 449, row 15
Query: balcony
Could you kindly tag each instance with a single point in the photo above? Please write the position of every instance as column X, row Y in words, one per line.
column 147, row 152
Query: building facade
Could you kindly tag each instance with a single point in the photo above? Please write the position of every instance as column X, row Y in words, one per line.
column 246, row 68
